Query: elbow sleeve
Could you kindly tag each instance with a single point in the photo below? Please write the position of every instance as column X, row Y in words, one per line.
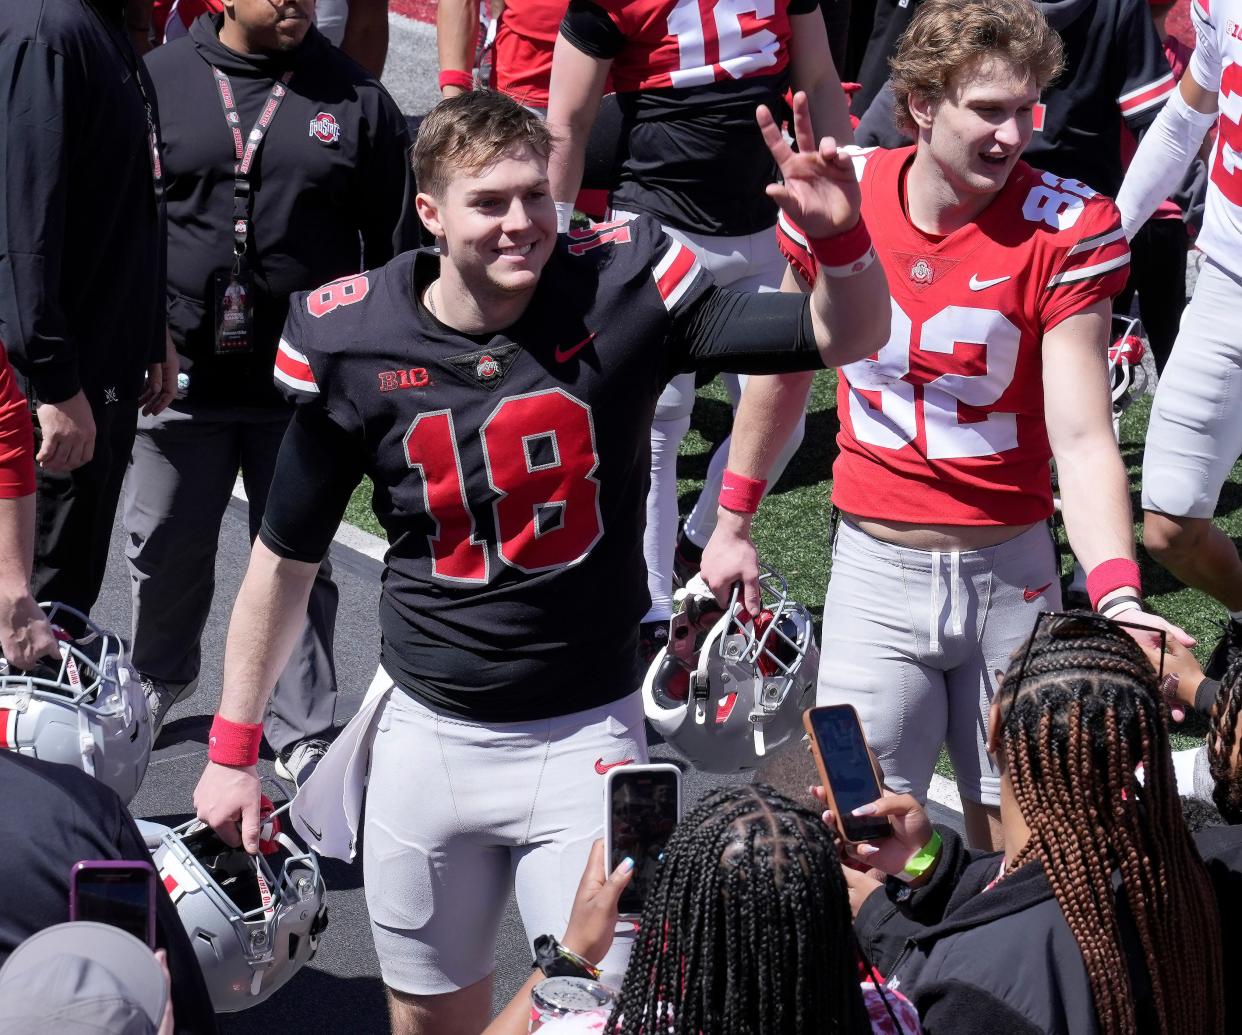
column 1162, row 159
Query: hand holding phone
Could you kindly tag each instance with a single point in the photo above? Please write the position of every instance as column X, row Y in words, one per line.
column 116, row 892
column 642, row 807
column 847, row 769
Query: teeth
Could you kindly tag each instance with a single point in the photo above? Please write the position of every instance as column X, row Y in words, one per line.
column 514, row 250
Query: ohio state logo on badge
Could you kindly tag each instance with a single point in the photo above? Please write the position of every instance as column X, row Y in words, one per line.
column 921, row 272
column 487, row 368
column 325, row 128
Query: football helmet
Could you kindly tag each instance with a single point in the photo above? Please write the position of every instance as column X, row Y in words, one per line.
column 730, row 689
column 253, row 920
column 88, row 711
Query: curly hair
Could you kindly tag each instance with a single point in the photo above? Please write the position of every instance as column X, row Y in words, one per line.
column 471, row 131
column 1222, row 740
column 747, row 927
column 1084, row 716
column 949, row 35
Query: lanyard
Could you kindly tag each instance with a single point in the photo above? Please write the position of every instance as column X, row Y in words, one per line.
column 246, row 152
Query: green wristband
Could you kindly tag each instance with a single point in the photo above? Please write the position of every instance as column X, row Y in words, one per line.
column 922, row 860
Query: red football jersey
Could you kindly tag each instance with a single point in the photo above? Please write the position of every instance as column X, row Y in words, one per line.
column 945, row 424
column 688, row 43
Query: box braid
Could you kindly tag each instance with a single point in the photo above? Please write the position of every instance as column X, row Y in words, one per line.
column 1222, row 739
column 747, row 928
column 1084, row 716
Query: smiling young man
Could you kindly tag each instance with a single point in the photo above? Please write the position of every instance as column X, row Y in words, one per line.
column 498, row 390
column 1001, row 278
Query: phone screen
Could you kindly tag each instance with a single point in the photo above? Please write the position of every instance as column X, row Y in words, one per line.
column 848, row 767
column 117, row 896
column 642, row 813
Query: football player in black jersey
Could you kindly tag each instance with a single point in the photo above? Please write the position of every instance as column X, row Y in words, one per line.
column 498, row 390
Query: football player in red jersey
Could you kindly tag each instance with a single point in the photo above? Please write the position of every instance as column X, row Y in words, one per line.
column 1001, row 279
column 499, row 391
column 688, row 76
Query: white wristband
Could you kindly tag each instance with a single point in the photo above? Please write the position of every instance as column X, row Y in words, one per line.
column 564, row 216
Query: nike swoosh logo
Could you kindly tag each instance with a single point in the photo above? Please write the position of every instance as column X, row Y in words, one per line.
column 602, row 768
column 1030, row 595
column 979, row 285
column 564, row 355
column 318, row 835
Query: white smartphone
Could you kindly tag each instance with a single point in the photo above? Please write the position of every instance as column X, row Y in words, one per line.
column 642, row 806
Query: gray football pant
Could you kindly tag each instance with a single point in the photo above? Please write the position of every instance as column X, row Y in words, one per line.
column 179, row 482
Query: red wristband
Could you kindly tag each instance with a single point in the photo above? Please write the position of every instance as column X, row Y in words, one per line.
column 843, row 255
column 737, row 492
column 1118, row 573
column 456, row 77
column 234, row 743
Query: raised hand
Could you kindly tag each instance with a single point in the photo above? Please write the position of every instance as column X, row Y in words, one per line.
column 820, row 189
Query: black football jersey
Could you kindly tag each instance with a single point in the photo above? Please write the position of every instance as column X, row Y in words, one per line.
column 511, row 470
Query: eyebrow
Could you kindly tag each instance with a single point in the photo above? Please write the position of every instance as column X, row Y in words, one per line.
column 475, row 193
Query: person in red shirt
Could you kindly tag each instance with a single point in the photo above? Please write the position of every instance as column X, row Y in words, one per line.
column 521, row 50
column 1001, row 278
column 25, row 635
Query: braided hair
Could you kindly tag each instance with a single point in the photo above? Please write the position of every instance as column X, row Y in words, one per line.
column 1075, row 728
column 1222, row 740
column 747, row 928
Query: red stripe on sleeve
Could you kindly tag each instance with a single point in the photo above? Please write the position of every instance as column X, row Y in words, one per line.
column 295, row 368
column 676, row 272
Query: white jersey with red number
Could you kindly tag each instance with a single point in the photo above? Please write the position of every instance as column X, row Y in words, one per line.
column 945, row 424
column 1217, row 65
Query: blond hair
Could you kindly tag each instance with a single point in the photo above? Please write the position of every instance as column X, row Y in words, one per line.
column 469, row 132
column 948, row 35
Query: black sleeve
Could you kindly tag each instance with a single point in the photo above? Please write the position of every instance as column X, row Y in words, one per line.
column 389, row 219
column 1140, row 65
column 927, row 905
column 882, row 931
column 959, row 1008
column 746, row 333
column 33, row 228
column 803, row 6
column 317, row 470
column 588, row 27
column 877, row 127
column 192, row 1009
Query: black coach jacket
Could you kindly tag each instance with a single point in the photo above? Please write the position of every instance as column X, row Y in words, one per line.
column 331, row 192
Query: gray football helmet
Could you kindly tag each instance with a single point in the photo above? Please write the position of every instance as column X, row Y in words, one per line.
column 730, row 689
column 88, row 711
column 253, row 920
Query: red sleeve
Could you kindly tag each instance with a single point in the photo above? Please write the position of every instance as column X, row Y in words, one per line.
column 792, row 244
column 1093, row 263
column 17, row 474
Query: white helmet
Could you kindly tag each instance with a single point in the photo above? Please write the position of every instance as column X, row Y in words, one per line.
column 251, row 929
column 88, row 711
column 728, row 689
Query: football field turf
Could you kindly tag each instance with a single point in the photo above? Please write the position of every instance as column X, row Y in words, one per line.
column 791, row 529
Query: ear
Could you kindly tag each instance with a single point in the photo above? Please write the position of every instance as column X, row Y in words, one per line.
column 428, row 209
column 921, row 109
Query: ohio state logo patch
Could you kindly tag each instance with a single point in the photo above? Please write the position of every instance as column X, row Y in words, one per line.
column 921, row 272
column 487, row 367
column 325, row 128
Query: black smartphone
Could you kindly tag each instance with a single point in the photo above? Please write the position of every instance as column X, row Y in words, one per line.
column 642, row 807
column 116, row 892
column 847, row 768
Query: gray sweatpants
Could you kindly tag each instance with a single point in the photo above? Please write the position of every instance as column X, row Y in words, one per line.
column 913, row 641
column 179, row 482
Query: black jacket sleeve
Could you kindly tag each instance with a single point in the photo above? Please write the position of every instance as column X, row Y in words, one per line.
column 389, row 220
column 959, row 1008
column 37, row 127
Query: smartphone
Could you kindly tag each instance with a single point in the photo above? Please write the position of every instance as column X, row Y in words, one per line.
column 847, row 769
column 642, row 806
column 116, row 892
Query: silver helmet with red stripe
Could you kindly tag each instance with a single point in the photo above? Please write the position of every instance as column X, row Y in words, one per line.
column 254, row 920
column 730, row 689
column 85, row 709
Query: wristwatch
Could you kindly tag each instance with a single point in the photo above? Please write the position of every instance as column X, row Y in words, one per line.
column 555, row 960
